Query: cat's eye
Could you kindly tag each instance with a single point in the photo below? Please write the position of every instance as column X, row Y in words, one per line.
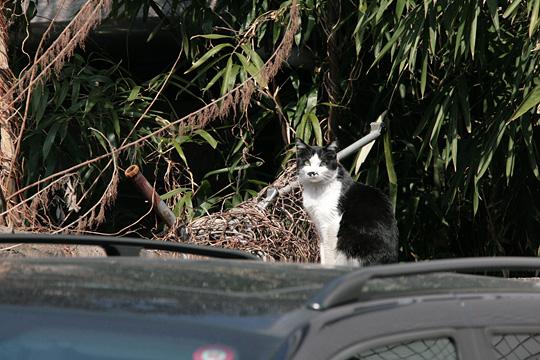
column 323, row 163
column 306, row 163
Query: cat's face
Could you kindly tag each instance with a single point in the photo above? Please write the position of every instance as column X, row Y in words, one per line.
column 316, row 164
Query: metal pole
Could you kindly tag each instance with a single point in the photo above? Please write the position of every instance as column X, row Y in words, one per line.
column 377, row 128
column 133, row 172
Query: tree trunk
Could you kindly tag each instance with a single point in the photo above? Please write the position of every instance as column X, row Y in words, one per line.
column 7, row 135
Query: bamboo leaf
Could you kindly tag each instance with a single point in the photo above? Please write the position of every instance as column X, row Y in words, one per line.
column 216, row 77
column 474, row 25
column 527, row 130
column 188, row 204
column 134, row 93
column 300, row 130
column 476, row 198
column 433, row 37
column 213, row 51
column 487, row 156
column 316, row 128
column 207, row 137
column 532, row 100
column 510, row 158
column 61, row 93
column 226, row 80
column 510, row 10
column 493, row 12
column 454, row 135
column 173, row 193
column 391, row 172
column 311, row 100
column 423, row 77
column 252, row 70
column 364, row 152
column 459, row 40
column 38, row 103
column 116, row 122
column 300, row 108
column 229, row 79
column 180, row 151
column 464, row 104
column 253, row 56
column 308, row 128
column 438, row 122
column 389, row 44
column 212, row 36
column 49, row 140
column 400, row 5
column 533, row 24
column 232, row 169
column 383, row 5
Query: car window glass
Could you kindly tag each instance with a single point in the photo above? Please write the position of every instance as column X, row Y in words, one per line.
column 516, row 346
column 423, row 349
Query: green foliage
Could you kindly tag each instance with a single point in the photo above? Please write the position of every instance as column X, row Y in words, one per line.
column 459, row 80
column 454, row 75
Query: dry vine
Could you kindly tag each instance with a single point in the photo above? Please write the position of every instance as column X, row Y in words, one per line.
column 13, row 92
column 281, row 232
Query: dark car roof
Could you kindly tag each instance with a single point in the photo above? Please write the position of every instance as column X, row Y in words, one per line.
column 197, row 287
column 226, row 287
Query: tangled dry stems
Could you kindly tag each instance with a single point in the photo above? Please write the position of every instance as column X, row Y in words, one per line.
column 281, row 232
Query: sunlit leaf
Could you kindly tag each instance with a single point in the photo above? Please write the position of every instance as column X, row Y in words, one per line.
column 207, row 56
column 423, row 76
column 510, row 9
column 472, row 34
column 227, row 76
column 253, row 56
column 533, row 23
column 134, row 93
column 173, row 193
column 207, row 137
column 212, row 81
column 212, row 36
column 252, row 69
column 316, row 128
column 391, row 172
column 532, row 100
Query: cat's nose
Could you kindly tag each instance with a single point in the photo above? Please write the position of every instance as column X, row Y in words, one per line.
column 311, row 174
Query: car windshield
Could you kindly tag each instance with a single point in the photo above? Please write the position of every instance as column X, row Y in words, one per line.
column 78, row 335
column 444, row 283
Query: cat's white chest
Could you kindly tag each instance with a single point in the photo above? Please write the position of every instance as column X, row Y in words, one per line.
column 321, row 203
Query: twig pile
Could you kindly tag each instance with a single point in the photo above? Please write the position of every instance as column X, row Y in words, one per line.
column 281, row 232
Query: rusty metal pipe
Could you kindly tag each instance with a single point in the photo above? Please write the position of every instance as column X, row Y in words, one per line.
column 133, row 172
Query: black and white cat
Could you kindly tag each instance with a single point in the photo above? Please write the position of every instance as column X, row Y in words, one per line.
column 355, row 222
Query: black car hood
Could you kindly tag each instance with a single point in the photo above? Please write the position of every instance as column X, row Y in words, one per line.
column 202, row 287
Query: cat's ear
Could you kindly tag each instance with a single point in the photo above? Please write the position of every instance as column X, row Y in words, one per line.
column 300, row 145
column 333, row 146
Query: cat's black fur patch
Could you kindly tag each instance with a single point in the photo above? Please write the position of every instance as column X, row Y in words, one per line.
column 305, row 152
column 368, row 228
